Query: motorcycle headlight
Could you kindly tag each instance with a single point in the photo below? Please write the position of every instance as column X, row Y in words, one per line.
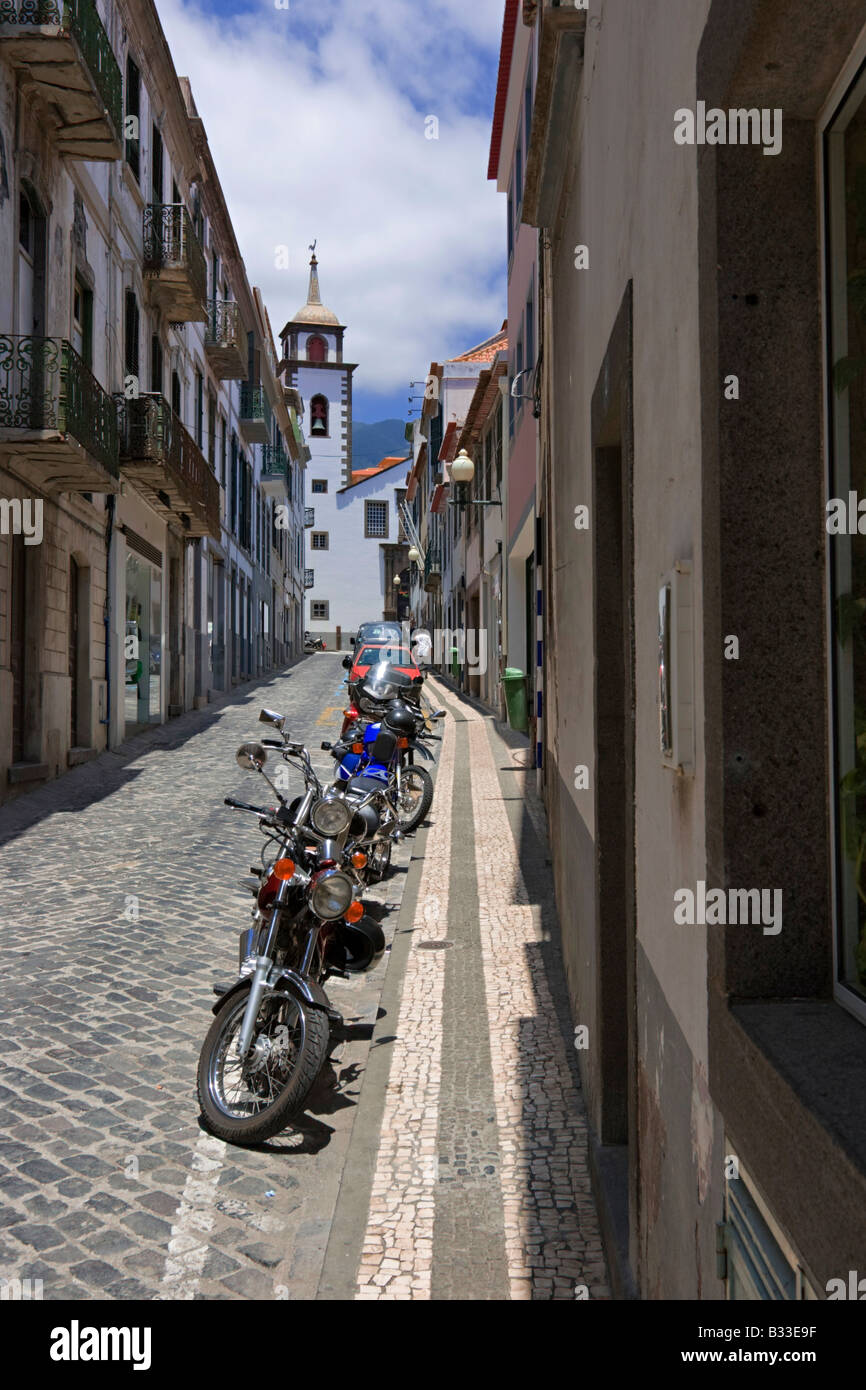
column 330, row 816
column 331, row 894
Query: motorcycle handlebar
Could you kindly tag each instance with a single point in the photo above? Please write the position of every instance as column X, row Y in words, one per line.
column 245, row 806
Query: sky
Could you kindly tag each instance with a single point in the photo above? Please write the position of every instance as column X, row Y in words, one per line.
column 317, row 115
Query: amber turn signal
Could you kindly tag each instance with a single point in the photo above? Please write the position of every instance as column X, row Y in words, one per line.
column 357, row 747
column 284, row 868
column 402, row 743
column 355, row 912
column 359, row 859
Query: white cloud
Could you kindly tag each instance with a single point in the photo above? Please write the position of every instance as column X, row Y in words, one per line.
column 320, row 132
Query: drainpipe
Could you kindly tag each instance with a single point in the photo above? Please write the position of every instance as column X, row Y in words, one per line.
column 107, row 617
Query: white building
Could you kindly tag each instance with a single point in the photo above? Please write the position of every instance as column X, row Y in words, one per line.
column 354, row 542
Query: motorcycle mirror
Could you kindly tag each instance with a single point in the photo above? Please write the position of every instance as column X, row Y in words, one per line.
column 439, row 714
column 417, row 680
column 327, row 747
column 269, row 716
column 251, row 755
column 347, row 663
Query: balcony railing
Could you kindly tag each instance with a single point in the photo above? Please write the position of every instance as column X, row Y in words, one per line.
column 309, row 516
column 255, row 413
column 275, row 463
column 174, row 263
column 225, row 341
column 164, row 462
column 64, row 46
column 53, row 410
column 309, row 579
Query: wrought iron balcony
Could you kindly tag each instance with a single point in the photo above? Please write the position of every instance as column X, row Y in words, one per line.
column 255, row 413
column 309, row 516
column 225, row 341
column 54, row 413
column 309, row 579
column 163, row 462
column 174, row 263
column 432, row 569
column 64, row 49
column 275, row 463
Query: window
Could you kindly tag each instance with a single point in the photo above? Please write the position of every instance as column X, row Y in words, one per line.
column 530, row 327
column 846, row 161
column 376, row 520
column 319, row 485
column 518, row 179
column 317, row 349
column 527, row 106
column 199, row 409
column 319, row 540
column 175, row 394
column 518, row 368
column 155, row 363
column 319, row 416
column 82, row 322
column 211, row 430
column 510, row 224
column 25, row 224
column 320, row 609
column 130, row 334
column 156, row 163
column 400, row 501
column 223, row 450
column 133, row 109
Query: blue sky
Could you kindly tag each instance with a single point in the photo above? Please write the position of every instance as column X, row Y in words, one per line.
column 317, row 115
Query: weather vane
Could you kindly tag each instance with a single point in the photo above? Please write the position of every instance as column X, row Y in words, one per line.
column 313, row 247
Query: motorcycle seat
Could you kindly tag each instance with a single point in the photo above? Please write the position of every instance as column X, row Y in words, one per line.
column 365, row 784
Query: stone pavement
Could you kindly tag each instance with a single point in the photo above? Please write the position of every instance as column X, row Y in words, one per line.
column 119, row 909
column 443, row 1156
column 480, row 1186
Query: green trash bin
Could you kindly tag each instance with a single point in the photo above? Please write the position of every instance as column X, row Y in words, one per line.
column 514, row 682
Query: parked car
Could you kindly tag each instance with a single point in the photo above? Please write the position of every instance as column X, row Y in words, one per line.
column 372, row 653
column 378, row 632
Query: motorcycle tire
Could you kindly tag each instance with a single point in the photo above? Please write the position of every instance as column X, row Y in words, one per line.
column 417, row 774
column 310, row 1057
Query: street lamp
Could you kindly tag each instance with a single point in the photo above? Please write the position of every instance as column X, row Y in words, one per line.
column 461, row 473
column 414, row 555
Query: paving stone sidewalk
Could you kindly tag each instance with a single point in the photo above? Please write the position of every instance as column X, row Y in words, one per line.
column 479, row 1185
column 119, row 909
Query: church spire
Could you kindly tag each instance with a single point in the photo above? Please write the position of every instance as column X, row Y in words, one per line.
column 313, row 296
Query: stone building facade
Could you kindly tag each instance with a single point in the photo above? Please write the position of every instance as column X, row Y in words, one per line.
column 141, row 412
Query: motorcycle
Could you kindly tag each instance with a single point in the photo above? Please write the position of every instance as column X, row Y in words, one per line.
column 273, row 1027
column 383, row 753
column 313, row 644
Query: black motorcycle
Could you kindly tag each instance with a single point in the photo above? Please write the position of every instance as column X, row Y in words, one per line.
column 274, row 1025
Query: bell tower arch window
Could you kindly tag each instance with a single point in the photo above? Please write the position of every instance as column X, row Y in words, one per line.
column 319, row 416
column 317, row 349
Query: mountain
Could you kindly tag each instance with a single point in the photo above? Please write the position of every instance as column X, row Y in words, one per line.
column 371, row 443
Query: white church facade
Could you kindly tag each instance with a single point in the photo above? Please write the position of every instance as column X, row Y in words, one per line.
column 354, row 544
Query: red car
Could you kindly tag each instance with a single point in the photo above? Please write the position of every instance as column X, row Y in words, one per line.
column 368, row 655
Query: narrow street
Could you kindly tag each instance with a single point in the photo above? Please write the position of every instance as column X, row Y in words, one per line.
column 443, row 1155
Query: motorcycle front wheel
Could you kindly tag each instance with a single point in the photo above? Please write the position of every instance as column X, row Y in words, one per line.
column 247, row 1102
column 416, row 796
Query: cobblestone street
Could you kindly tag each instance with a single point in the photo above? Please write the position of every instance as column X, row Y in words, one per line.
column 444, row 1154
